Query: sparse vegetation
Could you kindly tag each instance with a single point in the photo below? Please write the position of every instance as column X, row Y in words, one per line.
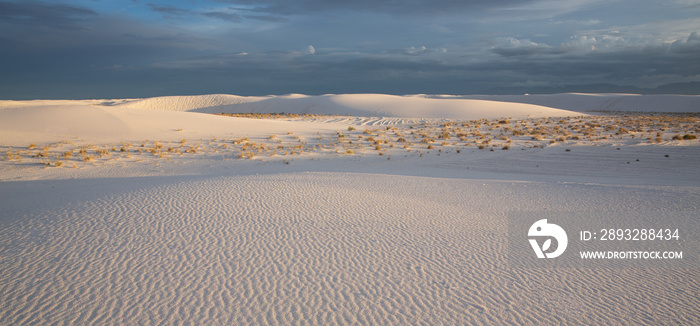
column 442, row 138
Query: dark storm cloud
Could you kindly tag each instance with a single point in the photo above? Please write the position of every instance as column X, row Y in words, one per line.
column 690, row 46
column 260, row 47
column 227, row 16
column 39, row 10
column 40, row 13
column 264, row 18
column 168, row 10
column 525, row 51
column 611, row 61
column 425, row 70
column 66, row 45
column 285, row 7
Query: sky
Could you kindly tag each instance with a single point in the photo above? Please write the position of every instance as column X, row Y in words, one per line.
column 139, row 48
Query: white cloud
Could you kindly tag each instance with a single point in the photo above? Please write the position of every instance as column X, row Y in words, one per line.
column 651, row 33
column 513, row 47
column 588, row 43
column 309, row 50
column 414, row 50
column 589, row 22
column 544, row 9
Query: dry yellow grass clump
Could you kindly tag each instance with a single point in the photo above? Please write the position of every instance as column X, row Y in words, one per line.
column 413, row 139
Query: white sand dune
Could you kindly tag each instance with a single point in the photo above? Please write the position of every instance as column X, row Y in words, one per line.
column 599, row 102
column 89, row 124
column 410, row 236
column 314, row 248
column 365, row 105
column 113, row 120
column 201, row 103
column 177, row 117
column 420, row 106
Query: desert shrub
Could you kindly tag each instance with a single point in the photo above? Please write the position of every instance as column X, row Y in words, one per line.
column 32, row 146
column 689, row 137
column 351, row 128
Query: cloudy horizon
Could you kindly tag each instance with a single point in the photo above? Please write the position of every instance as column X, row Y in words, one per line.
column 114, row 49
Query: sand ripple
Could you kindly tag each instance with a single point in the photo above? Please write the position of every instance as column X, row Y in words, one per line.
column 321, row 249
